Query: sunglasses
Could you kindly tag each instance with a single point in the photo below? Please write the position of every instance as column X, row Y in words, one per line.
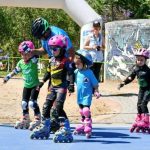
column 55, row 48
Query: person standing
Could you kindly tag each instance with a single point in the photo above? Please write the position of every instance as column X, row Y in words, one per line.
column 43, row 31
column 142, row 72
column 94, row 43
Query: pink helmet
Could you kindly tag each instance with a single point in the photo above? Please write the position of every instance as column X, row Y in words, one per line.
column 142, row 52
column 58, row 40
column 26, row 46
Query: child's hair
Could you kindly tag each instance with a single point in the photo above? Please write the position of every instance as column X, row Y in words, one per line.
column 85, row 57
column 96, row 23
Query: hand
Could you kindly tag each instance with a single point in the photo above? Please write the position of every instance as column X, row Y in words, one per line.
column 120, row 85
column 6, row 79
column 71, row 88
column 39, row 85
column 97, row 94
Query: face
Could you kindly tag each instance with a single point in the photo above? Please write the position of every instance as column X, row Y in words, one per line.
column 26, row 56
column 96, row 30
column 140, row 60
column 78, row 62
column 55, row 50
column 45, row 35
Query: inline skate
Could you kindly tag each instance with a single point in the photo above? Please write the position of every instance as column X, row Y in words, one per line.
column 80, row 128
column 63, row 135
column 42, row 131
column 23, row 123
column 35, row 122
column 137, row 120
column 143, row 125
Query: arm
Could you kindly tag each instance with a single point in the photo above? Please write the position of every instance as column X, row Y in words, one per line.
column 39, row 51
column 10, row 75
column 129, row 79
column 71, row 76
column 87, row 43
column 45, row 78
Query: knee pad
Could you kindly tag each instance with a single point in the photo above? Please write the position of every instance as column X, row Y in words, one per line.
column 81, row 112
column 24, row 105
column 33, row 104
column 86, row 112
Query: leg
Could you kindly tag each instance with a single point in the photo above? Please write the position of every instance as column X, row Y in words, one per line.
column 138, row 118
column 24, row 122
column 144, row 123
column 97, row 71
column 43, row 130
column 80, row 128
column 87, row 121
column 64, row 133
column 33, row 105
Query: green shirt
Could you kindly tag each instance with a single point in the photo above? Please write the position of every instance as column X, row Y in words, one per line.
column 29, row 73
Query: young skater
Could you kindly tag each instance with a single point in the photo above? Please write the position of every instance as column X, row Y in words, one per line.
column 59, row 68
column 142, row 71
column 85, row 81
column 29, row 69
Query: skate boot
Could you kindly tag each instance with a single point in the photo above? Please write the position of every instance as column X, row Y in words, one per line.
column 42, row 131
column 23, row 123
column 80, row 128
column 55, row 125
column 143, row 125
column 35, row 122
column 137, row 120
column 88, row 127
column 63, row 135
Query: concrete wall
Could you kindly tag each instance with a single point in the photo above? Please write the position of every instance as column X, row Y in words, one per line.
column 122, row 37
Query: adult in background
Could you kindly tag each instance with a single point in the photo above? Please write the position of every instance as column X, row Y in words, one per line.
column 43, row 31
column 94, row 43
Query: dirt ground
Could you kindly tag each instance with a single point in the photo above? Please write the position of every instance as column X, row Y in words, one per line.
column 10, row 102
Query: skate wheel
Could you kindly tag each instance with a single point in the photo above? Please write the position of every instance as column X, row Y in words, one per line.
column 32, row 136
column 137, row 130
column 75, row 132
column 88, row 135
column 132, row 130
column 70, row 140
column 46, row 137
column 27, row 127
column 143, row 130
column 55, row 140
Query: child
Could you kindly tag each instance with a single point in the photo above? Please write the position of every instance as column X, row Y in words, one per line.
column 85, row 81
column 59, row 68
column 142, row 71
column 29, row 69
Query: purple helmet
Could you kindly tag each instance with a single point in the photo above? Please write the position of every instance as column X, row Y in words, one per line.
column 26, row 46
column 58, row 40
column 142, row 52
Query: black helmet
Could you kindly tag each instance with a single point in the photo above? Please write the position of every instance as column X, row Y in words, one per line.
column 96, row 23
column 39, row 27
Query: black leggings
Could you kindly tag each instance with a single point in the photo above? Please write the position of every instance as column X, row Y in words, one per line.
column 143, row 99
column 30, row 94
column 96, row 68
column 55, row 99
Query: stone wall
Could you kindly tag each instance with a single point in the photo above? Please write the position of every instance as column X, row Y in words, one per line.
column 122, row 38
